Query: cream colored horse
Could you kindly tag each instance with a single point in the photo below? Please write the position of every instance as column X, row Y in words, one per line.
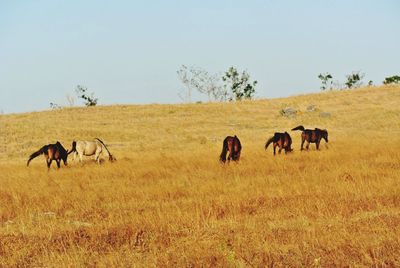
column 89, row 148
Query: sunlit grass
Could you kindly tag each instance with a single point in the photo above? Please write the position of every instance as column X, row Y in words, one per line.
column 168, row 202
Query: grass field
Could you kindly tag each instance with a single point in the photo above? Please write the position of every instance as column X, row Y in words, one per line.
column 168, row 202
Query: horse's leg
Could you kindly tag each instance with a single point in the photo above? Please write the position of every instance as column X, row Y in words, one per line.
column 274, row 149
column 97, row 157
column 49, row 163
column 280, row 150
column 302, row 145
column 58, row 163
column 308, row 145
column 80, row 157
column 317, row 144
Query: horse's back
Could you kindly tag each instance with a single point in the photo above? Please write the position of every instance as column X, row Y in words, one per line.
column 87, row 148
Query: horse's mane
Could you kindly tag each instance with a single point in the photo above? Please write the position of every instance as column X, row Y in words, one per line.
column 60, row 147
column 321, row 130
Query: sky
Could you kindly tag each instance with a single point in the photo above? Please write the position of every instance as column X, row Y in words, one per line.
column 128, row 52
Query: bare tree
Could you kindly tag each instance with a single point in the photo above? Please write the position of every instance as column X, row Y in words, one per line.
column 70, row 100
column 195, row 78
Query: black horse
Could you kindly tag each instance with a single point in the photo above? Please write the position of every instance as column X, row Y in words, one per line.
column 312, row 136
column 233, row 146
column 51, row 152
column 281, row 140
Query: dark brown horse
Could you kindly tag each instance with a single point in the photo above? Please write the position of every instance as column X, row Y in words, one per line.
column 51, row 152
column 233, row 146
column 312, row 136
column 281, row 140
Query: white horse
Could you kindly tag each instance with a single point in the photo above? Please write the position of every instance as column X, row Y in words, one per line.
column 89, row 148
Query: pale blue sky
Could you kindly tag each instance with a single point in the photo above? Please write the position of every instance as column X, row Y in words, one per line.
column 129, row 51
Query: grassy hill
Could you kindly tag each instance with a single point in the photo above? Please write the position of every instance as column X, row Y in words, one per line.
column 168, row 202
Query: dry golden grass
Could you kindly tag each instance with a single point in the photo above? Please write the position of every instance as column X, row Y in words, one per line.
column 168, row 202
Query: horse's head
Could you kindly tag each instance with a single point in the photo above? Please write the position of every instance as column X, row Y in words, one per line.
column 64, row 158
column 325, row 135
column 63, row 152
column 111, row 158
column 236, row 156
column 237, row 148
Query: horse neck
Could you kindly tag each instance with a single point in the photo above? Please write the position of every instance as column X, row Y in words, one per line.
column 62, row 150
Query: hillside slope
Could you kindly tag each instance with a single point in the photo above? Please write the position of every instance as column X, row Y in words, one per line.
column 168, row 202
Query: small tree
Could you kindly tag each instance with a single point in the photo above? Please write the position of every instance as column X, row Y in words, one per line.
column 239, row 84
column 354, row 80
column 395, row 79
column 325, row 80
column 90, row 100
column 195, row 78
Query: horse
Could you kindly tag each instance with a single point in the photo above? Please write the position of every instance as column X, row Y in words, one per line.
column 312, row 136
column 51, row 152
column 89, row 148
column 281, row 140
column 233, row 146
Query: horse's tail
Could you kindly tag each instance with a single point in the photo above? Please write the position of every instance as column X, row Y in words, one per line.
column 73, row 147
column 110, row 156
column 269, row 142
column 36, row 154
column 222, row 157
column 299, row 128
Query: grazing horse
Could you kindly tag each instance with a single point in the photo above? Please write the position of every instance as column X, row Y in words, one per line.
column 281, row 140
column 233, row 146
column 88, row 148
column 51, row 152
column 312, row 136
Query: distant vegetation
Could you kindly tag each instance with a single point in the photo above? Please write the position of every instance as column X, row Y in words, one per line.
column 55, row 106
column 232, row 86
column 326, row 81
column 395, row 79
column 236, row 85
column 195, row 78
column 239, row 84
column 353, row 80
column 83, row 94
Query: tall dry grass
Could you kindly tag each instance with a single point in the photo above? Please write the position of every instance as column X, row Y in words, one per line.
column 168, row 202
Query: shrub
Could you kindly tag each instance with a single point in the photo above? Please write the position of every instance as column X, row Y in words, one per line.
column 90, row 100
column 395, row 79
column 325, row 80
